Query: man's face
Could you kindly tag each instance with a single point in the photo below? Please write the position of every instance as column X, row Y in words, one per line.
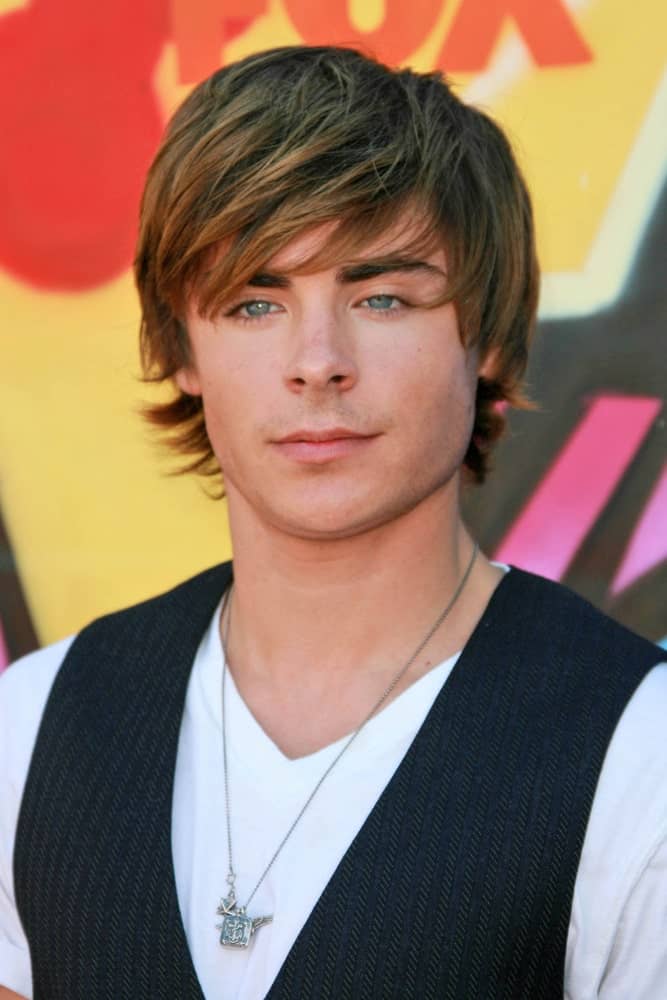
column 335, row 401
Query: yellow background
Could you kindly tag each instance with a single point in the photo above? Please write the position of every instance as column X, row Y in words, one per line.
column 94, row 521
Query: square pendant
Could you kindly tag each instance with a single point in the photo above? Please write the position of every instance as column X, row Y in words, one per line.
column 235, row 930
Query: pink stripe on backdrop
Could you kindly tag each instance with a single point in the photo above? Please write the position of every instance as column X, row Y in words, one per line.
column 551, row 527
column 648, row 545
column 4, row 654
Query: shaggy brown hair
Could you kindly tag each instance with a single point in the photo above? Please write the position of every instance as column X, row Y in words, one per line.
column 290, row 138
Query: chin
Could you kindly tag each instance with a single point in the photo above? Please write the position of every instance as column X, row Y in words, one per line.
column 322, row 525
column 346, row 519
column 332, row 511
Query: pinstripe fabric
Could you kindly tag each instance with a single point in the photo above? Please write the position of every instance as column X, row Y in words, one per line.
column 92, row 861
column 459, row 885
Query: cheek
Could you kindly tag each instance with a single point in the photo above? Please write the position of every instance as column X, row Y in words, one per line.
column 442, row 419
column 217, row 400
column 236, row 393
column 450, row 408
column 441, row 388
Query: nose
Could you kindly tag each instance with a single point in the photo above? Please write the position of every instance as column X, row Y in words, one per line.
column 321, row 354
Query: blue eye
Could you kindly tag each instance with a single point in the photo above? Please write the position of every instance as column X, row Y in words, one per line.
column 253, row 309
column 381, row 302
column 256, row 308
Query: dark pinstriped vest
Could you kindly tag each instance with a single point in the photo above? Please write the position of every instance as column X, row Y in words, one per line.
column 459, row 885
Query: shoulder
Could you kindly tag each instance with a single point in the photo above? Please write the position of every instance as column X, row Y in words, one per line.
column 212, row 580
column 559, row 616
column 159, row 618
column 26, row 684
column 635, row 766
column 24, row 689
column 637, row 752
column 619, row 882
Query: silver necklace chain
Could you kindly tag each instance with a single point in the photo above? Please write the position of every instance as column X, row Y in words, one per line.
column 227, row 907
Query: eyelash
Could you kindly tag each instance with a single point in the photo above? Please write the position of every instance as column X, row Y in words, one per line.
column 385, row 295
column 235, row 310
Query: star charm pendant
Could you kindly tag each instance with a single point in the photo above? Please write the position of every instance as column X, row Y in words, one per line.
column 237, row 928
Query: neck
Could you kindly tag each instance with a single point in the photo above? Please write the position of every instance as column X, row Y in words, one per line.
column 330, row 622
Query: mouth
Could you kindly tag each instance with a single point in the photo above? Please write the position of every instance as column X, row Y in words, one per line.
column 323, row 434
column 317, row 446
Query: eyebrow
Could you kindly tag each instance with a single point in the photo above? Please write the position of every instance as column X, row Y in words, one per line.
column 355, row 272
column 266, row 279
column 373, row 269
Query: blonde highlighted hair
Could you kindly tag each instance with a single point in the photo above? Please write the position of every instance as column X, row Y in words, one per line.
column 287, row 139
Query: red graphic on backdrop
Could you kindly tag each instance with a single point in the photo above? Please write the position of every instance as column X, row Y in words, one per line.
column 404, row 26
column 201, row 29
column 80, row 120
column 80, row 124
column 547, row 30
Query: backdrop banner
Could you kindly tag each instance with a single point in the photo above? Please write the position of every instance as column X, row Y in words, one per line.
column 90, row 520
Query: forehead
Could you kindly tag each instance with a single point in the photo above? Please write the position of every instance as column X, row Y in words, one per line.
column 335, row 243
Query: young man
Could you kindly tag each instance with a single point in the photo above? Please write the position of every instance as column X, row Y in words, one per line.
column 373, row 764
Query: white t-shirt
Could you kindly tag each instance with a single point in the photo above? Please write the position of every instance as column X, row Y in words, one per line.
column 617, row 944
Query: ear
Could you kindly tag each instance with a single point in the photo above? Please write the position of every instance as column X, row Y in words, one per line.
column 488, row 367
column 187, row 380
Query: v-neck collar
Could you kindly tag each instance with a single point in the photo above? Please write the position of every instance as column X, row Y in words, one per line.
column 267, row 757
column 226, row 571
